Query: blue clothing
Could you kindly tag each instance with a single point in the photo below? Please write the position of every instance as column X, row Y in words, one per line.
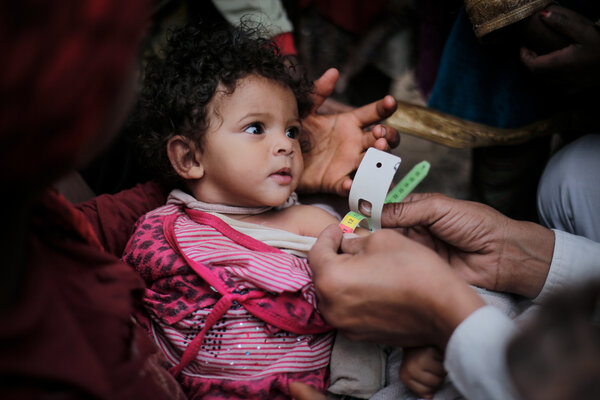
column 488, row 84
column 484, row 83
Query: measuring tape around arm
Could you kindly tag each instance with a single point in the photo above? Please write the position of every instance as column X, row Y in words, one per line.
column 396, row 195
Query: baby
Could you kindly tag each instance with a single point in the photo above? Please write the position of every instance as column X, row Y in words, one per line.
column 230, row 298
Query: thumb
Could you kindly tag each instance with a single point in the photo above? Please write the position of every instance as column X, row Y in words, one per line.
column 325, row 248
column 324, row 86
column 421, row 209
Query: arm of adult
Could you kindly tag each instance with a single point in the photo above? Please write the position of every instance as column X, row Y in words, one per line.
column 338, row 141
column 476, row 352
column 572, row 68
column 493, row 251
column 387, row 288
column 485, row 247
column 113, row 216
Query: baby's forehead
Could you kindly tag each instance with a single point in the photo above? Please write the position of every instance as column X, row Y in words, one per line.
column 250, row 88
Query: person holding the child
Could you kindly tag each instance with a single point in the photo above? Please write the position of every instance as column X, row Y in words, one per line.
column 67, row 299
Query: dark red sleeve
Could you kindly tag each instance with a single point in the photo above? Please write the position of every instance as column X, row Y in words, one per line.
column 285, row 43
column 113, row 216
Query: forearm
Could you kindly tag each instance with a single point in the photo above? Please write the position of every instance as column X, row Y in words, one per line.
column 489, row 16
column 453, row 303
column 525, row 258
column 113, row 216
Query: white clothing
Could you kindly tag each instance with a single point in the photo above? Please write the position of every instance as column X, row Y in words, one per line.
column 476, row 352
column 268, row 13
column 568, row 196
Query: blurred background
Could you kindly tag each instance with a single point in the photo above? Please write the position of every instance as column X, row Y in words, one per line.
column 379, row 46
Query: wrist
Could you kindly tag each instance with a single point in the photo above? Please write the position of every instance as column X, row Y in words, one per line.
column 525, row 260
column 454, row 302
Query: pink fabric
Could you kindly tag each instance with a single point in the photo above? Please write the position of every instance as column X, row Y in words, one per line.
column 245, row 311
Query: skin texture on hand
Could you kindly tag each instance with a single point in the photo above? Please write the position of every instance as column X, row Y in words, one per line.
column 574, row 67
column 483, row 246
column 387, row 288
column 338, row 141
column 422, row 370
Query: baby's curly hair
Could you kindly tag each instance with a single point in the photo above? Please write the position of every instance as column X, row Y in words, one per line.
column 178, row 87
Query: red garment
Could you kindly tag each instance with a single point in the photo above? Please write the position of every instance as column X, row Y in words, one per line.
column 113, row 216
column 71, row 332
column 285, row 44
column 64, row 65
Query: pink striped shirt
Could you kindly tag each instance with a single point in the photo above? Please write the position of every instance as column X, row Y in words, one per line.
column 252, row 304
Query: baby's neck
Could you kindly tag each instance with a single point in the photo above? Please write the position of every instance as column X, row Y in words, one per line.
column 275, row 218
column 231, row 210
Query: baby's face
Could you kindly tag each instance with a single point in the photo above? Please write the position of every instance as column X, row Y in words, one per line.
column 251, row 153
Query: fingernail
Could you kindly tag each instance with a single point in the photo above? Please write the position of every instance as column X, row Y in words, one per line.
column 350, row 235
column 545, row 13
column 364, row 207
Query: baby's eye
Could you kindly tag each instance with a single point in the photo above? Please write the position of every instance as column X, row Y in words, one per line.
column 292, row 132
column 255, row 128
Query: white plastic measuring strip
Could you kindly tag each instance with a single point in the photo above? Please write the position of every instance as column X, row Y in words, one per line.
column 372, row 182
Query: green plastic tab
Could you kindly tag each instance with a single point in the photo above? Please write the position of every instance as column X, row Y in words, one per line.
column 408, row 183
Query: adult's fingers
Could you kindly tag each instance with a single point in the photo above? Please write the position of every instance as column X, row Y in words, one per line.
column 354, row 245
column 418, row 210
column 324, row 86
column 302, row 391
column 387, row 135
column 376, row 111
column 567, row 22
column 546, row 64
column 325, row 248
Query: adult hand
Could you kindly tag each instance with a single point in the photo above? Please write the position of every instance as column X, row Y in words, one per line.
column 387, row 288
column 572, row 68
column 338, row 141
column 485, row 247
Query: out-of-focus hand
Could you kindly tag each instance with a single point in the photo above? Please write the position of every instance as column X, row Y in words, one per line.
column 572, row 68
column 387, row 288
column 338, row 141
column 302, row 391
column 485, row 247
column 422, row 370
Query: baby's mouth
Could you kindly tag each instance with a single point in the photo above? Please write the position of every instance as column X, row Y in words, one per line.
column 283, row 176
column 284, row 171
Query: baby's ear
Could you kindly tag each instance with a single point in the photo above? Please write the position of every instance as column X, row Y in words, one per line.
column 185, row 157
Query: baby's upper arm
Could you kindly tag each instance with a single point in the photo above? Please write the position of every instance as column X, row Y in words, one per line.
column 312, row 220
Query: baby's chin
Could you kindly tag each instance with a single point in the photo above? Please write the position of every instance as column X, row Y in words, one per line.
column 284, row 201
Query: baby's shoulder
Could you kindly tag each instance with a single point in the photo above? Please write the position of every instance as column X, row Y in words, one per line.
column 305, row 210
column 156, row 216
column 311, row 219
